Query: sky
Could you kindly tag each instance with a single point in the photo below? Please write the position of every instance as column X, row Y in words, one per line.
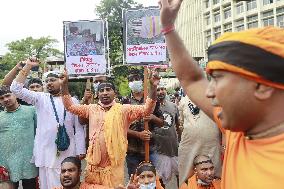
column 41, row 18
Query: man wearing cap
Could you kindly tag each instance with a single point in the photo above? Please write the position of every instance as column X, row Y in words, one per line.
column 46, row 155
column 108, row 125
column 245, row 96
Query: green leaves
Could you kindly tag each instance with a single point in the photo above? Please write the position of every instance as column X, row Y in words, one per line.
column 22, row 49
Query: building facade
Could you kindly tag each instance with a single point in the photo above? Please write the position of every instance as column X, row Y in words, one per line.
column 220, row 16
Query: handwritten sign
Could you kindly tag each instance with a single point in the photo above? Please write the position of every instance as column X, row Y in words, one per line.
column 146, row 53
column 86, row 64
column 84, row 43
column 143, row 40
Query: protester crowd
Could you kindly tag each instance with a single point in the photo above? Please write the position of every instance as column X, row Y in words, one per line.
column 225, row 132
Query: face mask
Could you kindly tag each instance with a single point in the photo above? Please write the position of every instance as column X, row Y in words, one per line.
column 96, row 85
column 136, row 86
column 148, row 186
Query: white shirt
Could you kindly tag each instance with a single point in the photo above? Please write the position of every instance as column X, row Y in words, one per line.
column 44, row 145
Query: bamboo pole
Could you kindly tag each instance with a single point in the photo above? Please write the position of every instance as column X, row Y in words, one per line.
column 146, row 126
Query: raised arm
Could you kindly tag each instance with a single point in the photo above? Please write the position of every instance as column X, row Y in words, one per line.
column 187, row 70
column 8, row 79
column 134, row 112
column 17, row 86
column 80, row 110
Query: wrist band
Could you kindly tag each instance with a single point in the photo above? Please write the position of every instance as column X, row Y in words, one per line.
column 24, row 73
column 168, row 29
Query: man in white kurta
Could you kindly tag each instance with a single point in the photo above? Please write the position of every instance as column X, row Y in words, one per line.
column 200, row 136
column 45, row 150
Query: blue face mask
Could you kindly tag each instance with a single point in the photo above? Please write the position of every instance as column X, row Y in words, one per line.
column 136, row 86
column 148, row 186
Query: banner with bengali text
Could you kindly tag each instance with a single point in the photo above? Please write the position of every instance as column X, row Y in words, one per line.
column 143, row 41
column 84, row 47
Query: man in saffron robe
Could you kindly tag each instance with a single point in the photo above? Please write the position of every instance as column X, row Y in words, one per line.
column 108, row 125
column 245, row 96
column 204, row 175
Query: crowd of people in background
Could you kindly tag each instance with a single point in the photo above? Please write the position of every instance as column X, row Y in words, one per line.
column 225, row 132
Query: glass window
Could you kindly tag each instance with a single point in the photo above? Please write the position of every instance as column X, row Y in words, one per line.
column 216, row 2
column 267, row 14
column 207, row 19
column 253, row 24
column 206, row 2
column 268, row 21
column 252, row 18
column 252, row 21
column 227, row 13
column 240, row 8
column 217, row 17
column 217, row 32
column 266, row 2
column 240, row 25
column 208, row 38
column 251, row 5
column 228, row 27
column 280, row 10
column 280, row 21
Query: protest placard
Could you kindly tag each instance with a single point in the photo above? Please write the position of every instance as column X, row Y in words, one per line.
column 84, row 47
column 143, row 41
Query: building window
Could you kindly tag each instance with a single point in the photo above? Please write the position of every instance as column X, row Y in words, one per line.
column 280, row 21
column 228, row 27
column 216, row 2
column 251, row 5
column 268, row 21
column 267, row 14
column 227, row 13
column 266, row 2
column 217, row 17
column 240, row 25
column 240, row 7
column 206, row 2
column 207, row 19
column 252, row 21
column 280, row 10
column 253, row 25
column 208, row 38
column 268, row 18
column 217, row 32
column 280, row 17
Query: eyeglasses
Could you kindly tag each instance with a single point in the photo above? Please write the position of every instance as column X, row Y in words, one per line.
column 193, row 109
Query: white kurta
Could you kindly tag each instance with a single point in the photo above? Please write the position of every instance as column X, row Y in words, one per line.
column 200, row 136
column 44, row 145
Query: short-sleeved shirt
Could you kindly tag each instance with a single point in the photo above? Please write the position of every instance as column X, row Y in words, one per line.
column 166, row 137
column 17, row 130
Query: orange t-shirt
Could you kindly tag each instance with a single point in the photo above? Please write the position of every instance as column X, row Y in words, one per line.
column 253, row 164
column 192, row 184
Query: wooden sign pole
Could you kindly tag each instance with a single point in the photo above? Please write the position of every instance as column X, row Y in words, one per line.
column 146, row 126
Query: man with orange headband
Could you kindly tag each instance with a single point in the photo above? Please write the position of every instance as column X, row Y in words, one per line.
column 108, row 125
column 245, row 96
column 204, row 175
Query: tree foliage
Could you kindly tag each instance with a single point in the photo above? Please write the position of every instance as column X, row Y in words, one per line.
column 111, row 10
column 22, row 49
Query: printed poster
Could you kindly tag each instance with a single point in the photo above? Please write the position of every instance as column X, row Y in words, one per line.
column 143, row 41
column 85, row 44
